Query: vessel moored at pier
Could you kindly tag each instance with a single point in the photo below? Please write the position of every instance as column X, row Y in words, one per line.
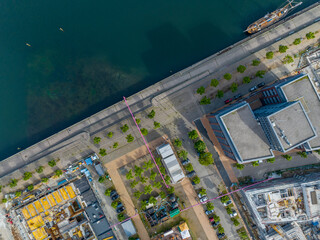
column 272, row 17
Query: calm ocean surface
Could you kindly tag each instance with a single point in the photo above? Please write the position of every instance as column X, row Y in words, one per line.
column 108, row 49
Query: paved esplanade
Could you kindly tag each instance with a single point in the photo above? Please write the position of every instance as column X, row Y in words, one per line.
column 79, row 134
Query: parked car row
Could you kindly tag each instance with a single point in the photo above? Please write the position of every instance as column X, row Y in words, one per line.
column 256, row 87
column 114, row 196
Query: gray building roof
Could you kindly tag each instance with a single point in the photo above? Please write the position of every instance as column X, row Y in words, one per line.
column 248, row 138
column 82, row 184
column 301, row 88
column 129, row 228
column 99, row 169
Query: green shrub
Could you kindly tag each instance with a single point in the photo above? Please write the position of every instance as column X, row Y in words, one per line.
column 271, row 160
column 129, row 138
column 287, row 157
column 110, row 134
column 177, row 142
column 205, row 101
column 101, row 179
column 287, row 59
column 151, row 114
column 214, row 83
column 224, row 199
column 44, row 180
column 144, row 131
column 269, row 55
column 108, row 192
column 40, row 169
column 52, row 163
column 200, row 146
column 220, row 229
column 27, row 176
column 137, row 194
column 138, row 121
column 297, row 41
column 255, row 62
column 171, row 190
column 30, row 187
column 302, row 154
column 124, row 128
column 58, row 173
column 227, row 76
column 121, row 217
column 239, row 166
column 18, row 194
column 115, row 145
column 4, row 200
column 220, row 94
column 241, row 69
column 102, row 152
column 283, row 48
column 235, row 222
column 156, row 125
column 255, row 163
column 246, row 80
column 13, row 183
column 114, row 204
column 167, row 180
column 148, row 164
column 96, row 140
column 193, row 134
column 203, row 192
column 201, row 90
column 234, row 87
column 189, row 167
column 310, row 35
column 229, row 210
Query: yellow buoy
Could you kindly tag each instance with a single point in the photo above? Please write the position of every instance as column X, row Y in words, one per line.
column 61, row 29
column 28, row 44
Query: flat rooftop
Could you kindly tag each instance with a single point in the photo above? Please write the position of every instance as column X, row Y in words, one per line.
column 303, row 90
column 292, row 126
column 247, row 136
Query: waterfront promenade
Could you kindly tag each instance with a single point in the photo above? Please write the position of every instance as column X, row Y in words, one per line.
column 78, row 137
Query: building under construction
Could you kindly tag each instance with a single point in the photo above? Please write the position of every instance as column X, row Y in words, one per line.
column 279, row 205
column 70, row 211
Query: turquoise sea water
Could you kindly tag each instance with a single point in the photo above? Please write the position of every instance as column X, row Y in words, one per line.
column 108, row 49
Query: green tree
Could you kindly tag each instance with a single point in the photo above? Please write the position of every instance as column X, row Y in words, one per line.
column 110, row 134
column 227, row 76
column 220, row 229
column 239, row 166
column 162, row 194
column 287, row 157
column 137, row 194
column 310, row 35
column 255, row 163
column 271, row 160
column 138, row 121
column 4, row 200
column 58, row 172
column 148, row 164
column 167, row 180
column 241, row 69
column 193, row 134
column 302, row 154
column 201, row 90
column 163, row 170
column 96, row 140
column 203, row 192
column 183, row 154
column 158, row 161
column 115, row 145
column 243, row 235
column 152, row 200
column 216, row 218
column 156, row 125
column 40, row 169
column 147, row 189
column 287, row 59
column 153, row 175
column 177, row 142
column 30, row 187
column 220, row 94
column 129, row 175
column 124, row 128
column 283, row 48
column 234, row 87
column 108, row 192
column 138, row 171
column 196, row 180
column 144, row 131
column 18, row 194
column 255, row 62
column 269, row 55
column 200, row 146
column 101, row 179
column 224, row 199
column 129, row 138
column 143, row 179
column 229, row 210
column 13, row 183
column 206, row 158
column 317, row 151
column 151, row 114
column 205, row 101
column 44, row 180
column 246, row 80
column 52, row 163
column 144, row 205
column 210, row 206
column 102, row 152
column 134, row 183
column 114, row 204
column 214, row 83
column 27, row 176
column 297, row 41
column 121, row 217
column 235, row 222
column 260, row 73
column 157, row 185
column 189, row 167
column 171, row 190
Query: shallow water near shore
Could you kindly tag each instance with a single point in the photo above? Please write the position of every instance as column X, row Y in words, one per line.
column 103, row 51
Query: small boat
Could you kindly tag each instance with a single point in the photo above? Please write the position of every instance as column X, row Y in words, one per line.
column 272, row 17
column 28, row 44
column 61, row 29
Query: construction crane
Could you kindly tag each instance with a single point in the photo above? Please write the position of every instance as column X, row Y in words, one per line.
column 280, row 231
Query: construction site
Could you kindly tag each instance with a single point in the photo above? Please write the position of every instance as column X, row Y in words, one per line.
column 286, row 207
